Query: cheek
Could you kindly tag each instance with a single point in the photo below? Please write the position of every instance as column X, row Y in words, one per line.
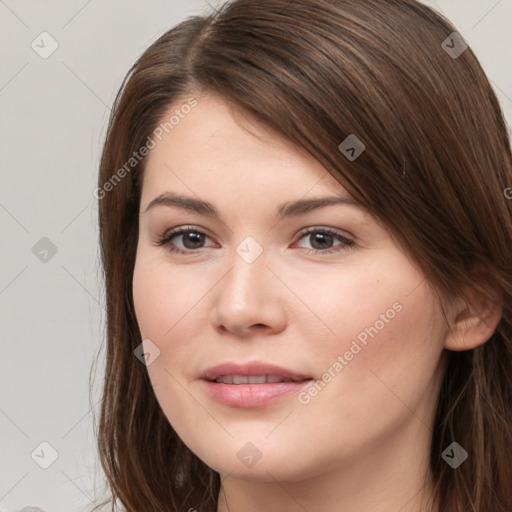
column 164, row 299
column 386, row 325
column 390, row 338
column 366, row 301
column 165, row 302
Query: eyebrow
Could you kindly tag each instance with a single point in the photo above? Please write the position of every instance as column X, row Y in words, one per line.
column 288, row 209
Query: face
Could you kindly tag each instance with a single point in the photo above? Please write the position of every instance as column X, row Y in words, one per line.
column 270, row 325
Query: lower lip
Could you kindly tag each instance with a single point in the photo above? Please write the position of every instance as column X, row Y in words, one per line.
column 252, row 395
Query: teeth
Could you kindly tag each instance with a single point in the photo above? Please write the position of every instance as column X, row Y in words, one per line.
column 253, row 379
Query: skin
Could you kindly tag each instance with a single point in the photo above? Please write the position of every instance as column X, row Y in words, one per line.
column 362, row 443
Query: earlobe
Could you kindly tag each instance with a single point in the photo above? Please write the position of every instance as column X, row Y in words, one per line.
column 473, row 323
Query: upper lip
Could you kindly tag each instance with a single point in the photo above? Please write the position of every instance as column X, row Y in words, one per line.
column 251, row 369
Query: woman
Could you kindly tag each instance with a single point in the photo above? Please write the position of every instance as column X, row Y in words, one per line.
column 306, row 238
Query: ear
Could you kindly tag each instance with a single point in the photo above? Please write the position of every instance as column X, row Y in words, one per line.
column 472, row 321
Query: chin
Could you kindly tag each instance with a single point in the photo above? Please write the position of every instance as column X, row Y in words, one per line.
column 279, row 466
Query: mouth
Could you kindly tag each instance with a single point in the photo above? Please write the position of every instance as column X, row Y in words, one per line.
column 252, row 384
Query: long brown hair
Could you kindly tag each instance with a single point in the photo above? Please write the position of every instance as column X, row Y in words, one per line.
column 436, row 163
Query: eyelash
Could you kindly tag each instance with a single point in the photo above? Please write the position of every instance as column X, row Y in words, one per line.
column 344, row 246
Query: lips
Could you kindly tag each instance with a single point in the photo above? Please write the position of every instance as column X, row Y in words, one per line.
column 251, row 385
column 233, row 373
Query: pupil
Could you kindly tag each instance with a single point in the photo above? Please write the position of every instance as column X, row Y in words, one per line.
column 319, row 237
column 194, row 238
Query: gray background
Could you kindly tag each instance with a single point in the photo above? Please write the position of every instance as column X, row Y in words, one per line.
column 53, row 118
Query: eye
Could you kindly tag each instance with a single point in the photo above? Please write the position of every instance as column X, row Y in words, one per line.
column 192, row 238
column 321, row 239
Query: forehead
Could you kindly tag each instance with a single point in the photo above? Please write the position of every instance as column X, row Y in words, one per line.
column 217, row 147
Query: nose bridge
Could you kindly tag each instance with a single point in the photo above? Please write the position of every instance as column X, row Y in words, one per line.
column 247, row 295
column 247, row 278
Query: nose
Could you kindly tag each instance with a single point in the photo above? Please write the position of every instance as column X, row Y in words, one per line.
column 249, row 300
